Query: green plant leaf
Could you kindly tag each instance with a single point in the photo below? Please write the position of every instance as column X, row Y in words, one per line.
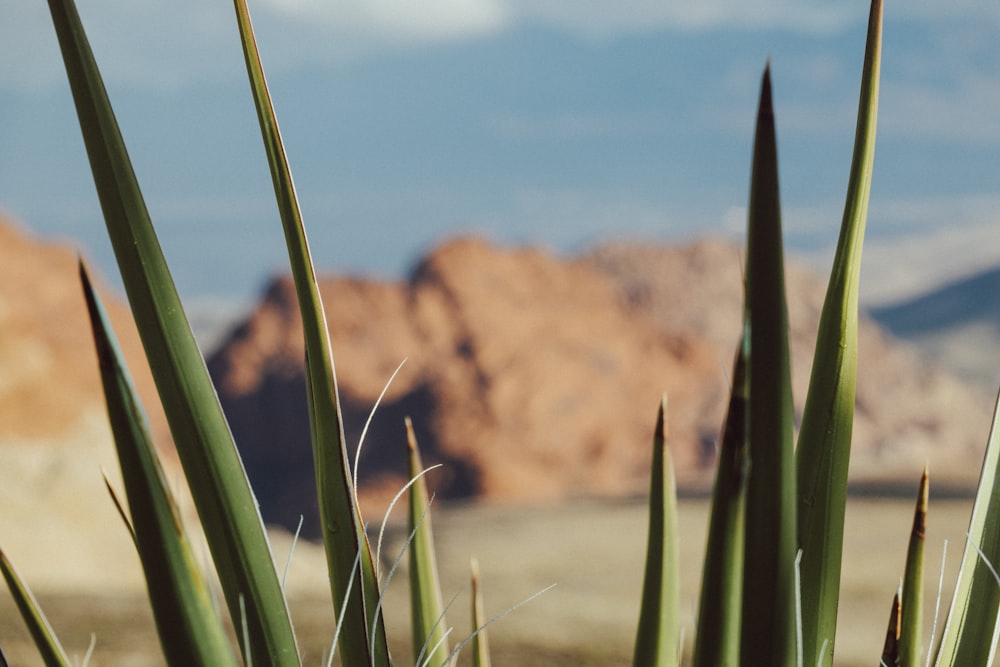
column 890, row 649
column 970, row 631
column 657, row 639
column 426, row 604
column 38, row 626
column 824, row 444
column 481, row 643
column 768, row 624
column 911, row 629
column 717, row 640
column 190, row 630
column 342, row 528
column 215, row 474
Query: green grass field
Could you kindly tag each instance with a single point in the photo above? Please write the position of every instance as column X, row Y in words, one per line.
column 587, row 619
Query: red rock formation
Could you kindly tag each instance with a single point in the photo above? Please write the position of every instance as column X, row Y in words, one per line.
column 57, row 521
column 48, row 367
column 534, row 378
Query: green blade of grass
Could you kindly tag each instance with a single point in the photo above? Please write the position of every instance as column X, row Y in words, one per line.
column 215, row 474
column 342, row 529
column 657, row 639
column 717, row 639
column 824, row 444
column 911, row 632
column 38, row 626
column 768, row 624
column 481, row 643
column 973, row 615
column 426, row 603
column 190, row 631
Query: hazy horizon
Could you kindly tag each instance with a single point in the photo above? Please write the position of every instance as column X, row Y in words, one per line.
column 548, row 124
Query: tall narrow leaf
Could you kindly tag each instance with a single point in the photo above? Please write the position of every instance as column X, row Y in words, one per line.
column 342, row 530
column 657, row 641
column 824, row 445
column 911, row 634
column 190, row 630
column 213, row 468
column 717, row 639
column 38, row 626
column 481, row 643
column 970, row 632
column 426, row 604
column 768, row 626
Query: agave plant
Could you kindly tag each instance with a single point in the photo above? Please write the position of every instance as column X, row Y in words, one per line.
column 771, row 575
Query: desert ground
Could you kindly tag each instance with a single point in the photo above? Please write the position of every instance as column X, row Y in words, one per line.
column 593, row 552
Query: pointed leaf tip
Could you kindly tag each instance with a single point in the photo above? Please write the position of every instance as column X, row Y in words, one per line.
column 411, row 436
column 766, row 107
column 920, row 515
column 661, row 420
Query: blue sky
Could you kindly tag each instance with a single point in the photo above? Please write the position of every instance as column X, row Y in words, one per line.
column 550, row 122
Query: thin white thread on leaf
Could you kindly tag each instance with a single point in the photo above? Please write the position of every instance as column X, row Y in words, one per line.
column 291, row 551
column 392, row 505
column 989, row 565
column 395, row 565
column 424, row 648
column 430, row 654
column 343, row 609
column 90, row 650
column 454, row 654
column 822, row 652
column 937, row 603
column 364, row 431
column 246, row 631
column 798, row 609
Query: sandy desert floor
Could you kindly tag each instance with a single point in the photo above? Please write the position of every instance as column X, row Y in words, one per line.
column 592, row 551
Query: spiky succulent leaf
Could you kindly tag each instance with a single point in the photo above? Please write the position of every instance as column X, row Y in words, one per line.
column 911, row 631
column 481, row 643
column 768, row 625
column 215, row 473
column 191, row 633
column 658, row 635
column 38, row 626
column 342, row 528
column 971, row 629
column 426, row 603
column 717, row 638
column 824, row 445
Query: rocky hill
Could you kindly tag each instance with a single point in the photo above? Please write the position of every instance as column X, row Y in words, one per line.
column 534, row 377
column 957, row 324
column 56, row 520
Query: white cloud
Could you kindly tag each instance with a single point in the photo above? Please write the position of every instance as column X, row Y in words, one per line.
column 169, row 42
column 607, row 19
column 398, row 19
column 151, row 43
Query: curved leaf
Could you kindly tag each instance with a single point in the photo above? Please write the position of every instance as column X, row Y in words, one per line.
column 342, row 528
column 824, row 444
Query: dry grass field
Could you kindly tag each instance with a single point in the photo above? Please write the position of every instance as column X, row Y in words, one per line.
column 592, row 551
